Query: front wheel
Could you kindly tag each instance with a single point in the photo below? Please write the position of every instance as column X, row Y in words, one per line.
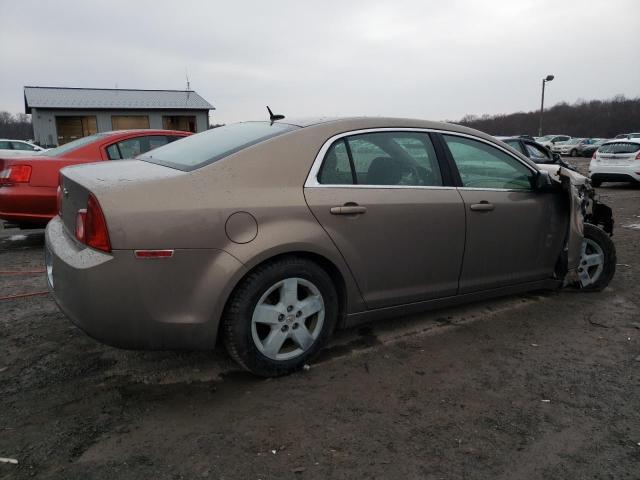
column 280, row 316
column 574, row 153
column 597, row 259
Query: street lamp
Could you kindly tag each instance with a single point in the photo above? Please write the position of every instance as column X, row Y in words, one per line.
column 548, row 78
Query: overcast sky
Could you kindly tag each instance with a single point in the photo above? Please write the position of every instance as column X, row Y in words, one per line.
column 424, row 59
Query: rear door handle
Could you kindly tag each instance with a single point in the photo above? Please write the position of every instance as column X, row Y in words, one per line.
column 348, row 210
column 483, row 206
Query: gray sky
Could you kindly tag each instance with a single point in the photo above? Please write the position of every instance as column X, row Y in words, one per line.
column 425, row 59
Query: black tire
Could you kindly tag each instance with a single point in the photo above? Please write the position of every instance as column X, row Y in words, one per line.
column 596, row 183
column 574, row 153
column 237, row 318
column 604, row 241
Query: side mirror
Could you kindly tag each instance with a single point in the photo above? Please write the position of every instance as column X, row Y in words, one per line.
column 543, row 181
column 556, row 157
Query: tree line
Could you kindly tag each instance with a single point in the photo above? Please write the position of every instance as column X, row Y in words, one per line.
column 594, row 118
column 17, row 127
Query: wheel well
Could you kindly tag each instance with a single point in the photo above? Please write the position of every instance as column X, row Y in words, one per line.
column 326, row 264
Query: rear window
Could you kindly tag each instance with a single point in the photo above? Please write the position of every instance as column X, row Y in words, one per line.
column 68, row 147
column 208, row 147
column 619, row 147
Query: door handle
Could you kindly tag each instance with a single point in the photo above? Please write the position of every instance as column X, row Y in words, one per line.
column 348, row 209
column 483, row 206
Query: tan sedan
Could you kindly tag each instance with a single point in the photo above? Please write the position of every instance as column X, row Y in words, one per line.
column 272, row 234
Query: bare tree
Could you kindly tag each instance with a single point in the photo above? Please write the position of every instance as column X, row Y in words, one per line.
column 15, row 126
column 595, row 118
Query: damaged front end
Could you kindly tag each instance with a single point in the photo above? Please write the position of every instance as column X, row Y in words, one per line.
column 585, row 208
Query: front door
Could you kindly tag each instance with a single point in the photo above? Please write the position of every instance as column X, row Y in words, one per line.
column 382, row 199
column 514, row 233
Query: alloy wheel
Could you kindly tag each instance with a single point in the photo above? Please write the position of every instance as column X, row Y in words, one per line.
column 591, row 262
column 288, row 319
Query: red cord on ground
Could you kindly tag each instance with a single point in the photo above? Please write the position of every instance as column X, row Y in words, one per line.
column 23, row 295
column 21, row 272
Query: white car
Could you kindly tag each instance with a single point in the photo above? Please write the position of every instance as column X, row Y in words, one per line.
column 550, row 140
column 570, row 147
column 18, row 147
column 616, row 161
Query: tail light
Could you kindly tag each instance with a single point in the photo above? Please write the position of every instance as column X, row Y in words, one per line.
column 91, row 227
column 638, row 156
column 594, row 155
column 59, row 200
column 16, row 174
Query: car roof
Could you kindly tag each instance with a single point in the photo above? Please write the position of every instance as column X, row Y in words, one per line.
column 623, row 140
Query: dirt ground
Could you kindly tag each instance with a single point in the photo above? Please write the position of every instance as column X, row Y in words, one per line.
column 543, row 385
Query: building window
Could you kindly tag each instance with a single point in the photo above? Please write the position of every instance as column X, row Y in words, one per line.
column 72, row 128
column 186, row 123
column 127, row 122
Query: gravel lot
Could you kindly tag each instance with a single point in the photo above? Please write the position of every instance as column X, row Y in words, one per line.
column 543, row 385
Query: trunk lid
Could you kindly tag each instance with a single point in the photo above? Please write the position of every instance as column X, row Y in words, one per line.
column 112, row 183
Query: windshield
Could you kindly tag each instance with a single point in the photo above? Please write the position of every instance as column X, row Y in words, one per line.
column 208, row 147
column 67, row 147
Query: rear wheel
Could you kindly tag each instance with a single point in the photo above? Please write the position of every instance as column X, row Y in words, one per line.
column 574, row 153
column 597, row 259
column 280, row 316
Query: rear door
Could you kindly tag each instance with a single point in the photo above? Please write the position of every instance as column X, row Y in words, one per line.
column 393, row 213
column 514, row 234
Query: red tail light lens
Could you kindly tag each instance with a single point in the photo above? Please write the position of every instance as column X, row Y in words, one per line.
column 594, row 155
column 16, row 174
column 91, row 227
column 638, row 156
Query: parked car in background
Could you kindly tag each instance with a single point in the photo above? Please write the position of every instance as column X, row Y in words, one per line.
column 28, row 183
column 536, row 152
column 260, row 232
column 627, row 136
column 588, row 148
column 567, row 147
column 616, row 161
column 550, row 140
column 18, row 147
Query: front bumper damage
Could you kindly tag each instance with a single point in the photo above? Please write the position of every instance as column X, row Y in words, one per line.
column 585, row 208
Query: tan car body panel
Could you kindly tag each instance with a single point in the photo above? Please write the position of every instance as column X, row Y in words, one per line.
column 148, row 206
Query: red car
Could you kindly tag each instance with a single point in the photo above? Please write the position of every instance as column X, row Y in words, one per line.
column 28, row 185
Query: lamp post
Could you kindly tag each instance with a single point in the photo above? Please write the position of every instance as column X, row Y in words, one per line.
column 548, row 78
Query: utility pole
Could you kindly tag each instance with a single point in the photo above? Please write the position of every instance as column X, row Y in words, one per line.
column 548, row 78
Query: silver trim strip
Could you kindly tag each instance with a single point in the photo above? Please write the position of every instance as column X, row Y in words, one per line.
column 312, row 177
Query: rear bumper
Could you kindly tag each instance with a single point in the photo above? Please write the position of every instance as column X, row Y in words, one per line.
column 172, row 303
column 27, row 204
column 615, row 173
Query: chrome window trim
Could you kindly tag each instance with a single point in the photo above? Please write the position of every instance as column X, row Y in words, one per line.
column 312, row 177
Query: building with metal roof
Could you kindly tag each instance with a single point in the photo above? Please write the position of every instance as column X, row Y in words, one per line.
column 60, row 114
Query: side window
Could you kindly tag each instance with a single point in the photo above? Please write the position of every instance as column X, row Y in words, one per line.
column 157, row 141
column 483, row 166
column 22, row 146
column 135, row 146
column 336, row 169
column 113, row 153
column 395, row 158
column 515, row 144
column 5, row 145
column 536, row 153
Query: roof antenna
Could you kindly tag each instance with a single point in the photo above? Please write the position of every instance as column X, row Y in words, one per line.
column 273, row 117
column 186, row 74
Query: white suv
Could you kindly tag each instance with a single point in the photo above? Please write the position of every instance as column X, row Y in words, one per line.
column 616, row 161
